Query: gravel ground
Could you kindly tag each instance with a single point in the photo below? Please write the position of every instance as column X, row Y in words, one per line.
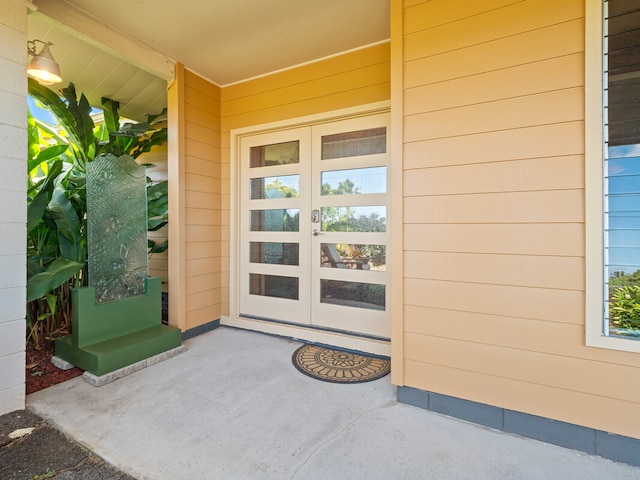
column 31, row 449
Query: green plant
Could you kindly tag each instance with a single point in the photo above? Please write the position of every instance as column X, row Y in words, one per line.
column 621, row 279
column 624, row 307
column 48, row 474
column 56, row 204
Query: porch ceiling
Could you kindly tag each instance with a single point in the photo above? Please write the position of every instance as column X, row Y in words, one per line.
column 224, row 41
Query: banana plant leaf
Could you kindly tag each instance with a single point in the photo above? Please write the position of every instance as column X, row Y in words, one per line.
column 157, row 205
column 34, row 266
column 33, row 135
column 46, row 154
column 81, row 111
column 111, row 116
column 155, row 224
column 60, row 271
column 157, row 247
column 157, row 138
column 37, row 206
column 55, row 104
column 36, row 209
column 157, row 118
column 112, row 144
column 66, row 219
column 157, row 190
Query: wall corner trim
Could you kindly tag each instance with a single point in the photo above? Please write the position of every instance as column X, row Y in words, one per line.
column 614, row 447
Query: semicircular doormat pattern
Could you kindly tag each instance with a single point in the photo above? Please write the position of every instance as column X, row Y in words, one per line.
column 338, row 366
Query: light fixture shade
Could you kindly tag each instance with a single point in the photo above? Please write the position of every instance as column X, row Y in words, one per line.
column 44, row 68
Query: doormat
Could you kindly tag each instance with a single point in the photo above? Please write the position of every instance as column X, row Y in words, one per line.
column 338, row 366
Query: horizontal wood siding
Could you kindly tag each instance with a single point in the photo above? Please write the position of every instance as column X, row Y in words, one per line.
column 344, row 81
column 202, row 201
column 493, row 213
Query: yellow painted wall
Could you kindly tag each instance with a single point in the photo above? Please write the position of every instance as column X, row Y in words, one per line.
column 344, row 81
column 493, row 211
column 195, row 201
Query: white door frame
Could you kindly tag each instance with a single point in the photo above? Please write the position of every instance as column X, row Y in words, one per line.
column 344, row 340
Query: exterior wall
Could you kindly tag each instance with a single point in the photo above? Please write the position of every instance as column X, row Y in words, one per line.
column 348, row 80
column 494, row 267
column 194, row 201
column 13, row 214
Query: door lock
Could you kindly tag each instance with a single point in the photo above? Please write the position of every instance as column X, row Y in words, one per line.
column 315, row 216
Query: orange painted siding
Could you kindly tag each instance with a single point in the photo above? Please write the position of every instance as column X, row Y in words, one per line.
column 493, row 212
column 195, row 201
column 344, row 81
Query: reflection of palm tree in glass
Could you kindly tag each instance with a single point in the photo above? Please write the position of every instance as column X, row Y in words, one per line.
column 290, row 222
column 346, row 187
column 276, row 189
column 334, row 216
column 281, row 220
column 344, row 219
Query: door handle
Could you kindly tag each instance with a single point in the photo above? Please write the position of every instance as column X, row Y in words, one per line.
column 316, row 232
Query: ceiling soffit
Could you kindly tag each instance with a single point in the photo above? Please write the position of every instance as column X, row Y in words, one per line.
column 121, row 47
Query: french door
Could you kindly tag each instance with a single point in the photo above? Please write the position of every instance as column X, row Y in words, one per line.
column 314, row 204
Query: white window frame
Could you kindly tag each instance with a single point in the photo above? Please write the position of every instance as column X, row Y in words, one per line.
column 594, row 185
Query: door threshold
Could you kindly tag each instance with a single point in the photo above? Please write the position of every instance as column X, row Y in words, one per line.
column 305, row 333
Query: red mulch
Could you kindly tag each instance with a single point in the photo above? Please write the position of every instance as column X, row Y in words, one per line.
column 41, row 373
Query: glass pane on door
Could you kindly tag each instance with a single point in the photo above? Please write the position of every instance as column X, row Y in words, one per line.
column 274, row 286
column 275, row 154
column 353, row 256
column 355, row 181
column 275, row 220
column 274, row 253
column 354, row 219
column 353, row 294
column 284, row 186
column 352, row 144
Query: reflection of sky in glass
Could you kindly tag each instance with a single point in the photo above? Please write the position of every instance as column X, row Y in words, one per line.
column 365, row 211
column 365, row 180
column 623, row 208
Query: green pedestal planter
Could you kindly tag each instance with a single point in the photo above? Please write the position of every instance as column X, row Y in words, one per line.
column 114, row 335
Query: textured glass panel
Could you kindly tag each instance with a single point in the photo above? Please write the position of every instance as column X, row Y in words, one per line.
column 276, row 220
column 116, row 227
column 276, row 253
column 273, row 286
column 354, row 219
column 354, row 144
column 355, row 257
column 275, row 154
column 287, row 186
column 355, row 181
column 353, row 294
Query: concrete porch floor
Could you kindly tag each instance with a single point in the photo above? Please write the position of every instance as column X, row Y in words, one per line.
column 234, row 407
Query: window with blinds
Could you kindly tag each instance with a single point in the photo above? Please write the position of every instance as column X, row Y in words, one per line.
column 622, row 167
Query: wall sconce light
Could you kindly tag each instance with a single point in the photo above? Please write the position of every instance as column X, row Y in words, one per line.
column 42, row 66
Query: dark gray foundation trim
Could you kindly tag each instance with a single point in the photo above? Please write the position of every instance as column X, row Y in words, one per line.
column 589, row 440
column 200, row 329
